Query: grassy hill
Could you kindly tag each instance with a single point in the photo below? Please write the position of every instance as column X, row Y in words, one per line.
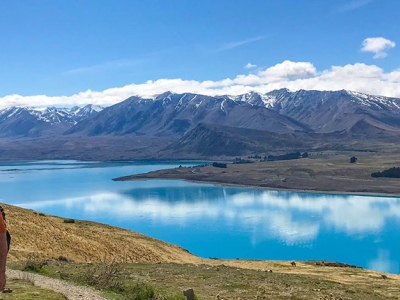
column 169, row 269
column 49, row 237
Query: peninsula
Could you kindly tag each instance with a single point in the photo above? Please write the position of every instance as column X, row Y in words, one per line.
column 327, row 172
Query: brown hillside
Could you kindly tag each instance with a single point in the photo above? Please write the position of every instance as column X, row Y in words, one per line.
column 48, row 236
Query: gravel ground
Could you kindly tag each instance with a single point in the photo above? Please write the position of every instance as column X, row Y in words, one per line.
column 72, row 292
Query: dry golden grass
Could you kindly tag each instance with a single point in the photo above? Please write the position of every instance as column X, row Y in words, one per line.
column 48, row 237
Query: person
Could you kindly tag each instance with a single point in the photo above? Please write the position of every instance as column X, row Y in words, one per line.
column 3, row 252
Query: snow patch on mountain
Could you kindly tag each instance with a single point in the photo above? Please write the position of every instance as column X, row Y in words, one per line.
column 375, row 101
column 52, row 115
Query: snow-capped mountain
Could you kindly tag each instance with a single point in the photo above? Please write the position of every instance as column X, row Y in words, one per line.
column 192, row 125
column 81, row 113
column 172, row 114
column 30, row 121
column 332, row 111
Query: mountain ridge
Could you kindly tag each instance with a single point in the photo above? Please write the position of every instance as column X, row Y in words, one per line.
column 214, row 125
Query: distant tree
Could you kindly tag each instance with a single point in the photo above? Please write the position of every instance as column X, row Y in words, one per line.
column 304, row 155
column 391, row 173
column 239, row 160
column 287, row 156
column 353, row 159
column 219, row 165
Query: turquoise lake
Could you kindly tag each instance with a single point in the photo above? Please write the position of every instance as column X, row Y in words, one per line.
column 210, row 220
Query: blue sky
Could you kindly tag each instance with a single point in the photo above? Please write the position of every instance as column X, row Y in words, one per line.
column 64, row 52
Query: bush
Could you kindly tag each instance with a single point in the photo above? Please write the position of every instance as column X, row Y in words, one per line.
column 34, row 264
column 110, row 276
column 144, row 291
column 219, row 165
column 141, row 291
column 62, row 258
column 69, row 221
column 104, row 276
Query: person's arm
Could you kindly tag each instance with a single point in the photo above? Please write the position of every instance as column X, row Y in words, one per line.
column 3, row 253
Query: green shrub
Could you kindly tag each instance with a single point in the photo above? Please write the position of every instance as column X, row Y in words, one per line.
column 178, row 297
column 103, row 276
column 34, row 264
column 141, row 291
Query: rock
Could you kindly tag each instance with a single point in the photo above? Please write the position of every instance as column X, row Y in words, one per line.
column 189, row 294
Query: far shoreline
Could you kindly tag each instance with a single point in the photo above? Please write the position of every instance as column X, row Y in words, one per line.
column 272, row 189
column 332, row 175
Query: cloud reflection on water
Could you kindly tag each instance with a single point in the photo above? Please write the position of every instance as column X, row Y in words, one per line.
column 350, row 214
column 290, row 217
column 384, row 263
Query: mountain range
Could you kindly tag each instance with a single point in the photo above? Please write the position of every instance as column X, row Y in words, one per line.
column 35, row 122
column 190, row 125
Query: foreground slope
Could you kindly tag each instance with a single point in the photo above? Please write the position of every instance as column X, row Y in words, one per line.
column 170, row 267
column 45, row 236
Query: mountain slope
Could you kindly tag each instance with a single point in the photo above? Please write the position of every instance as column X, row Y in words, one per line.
column 35, row 122
column 185, row 125
column 332, row 111
column 174, row 114
column 210, row 139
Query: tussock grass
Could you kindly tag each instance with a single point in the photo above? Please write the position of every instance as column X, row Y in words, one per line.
column 167, row 281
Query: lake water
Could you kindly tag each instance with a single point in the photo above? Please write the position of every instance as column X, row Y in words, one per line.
column 212, row 221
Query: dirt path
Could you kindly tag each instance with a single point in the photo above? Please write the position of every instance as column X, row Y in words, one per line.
column 72, row 292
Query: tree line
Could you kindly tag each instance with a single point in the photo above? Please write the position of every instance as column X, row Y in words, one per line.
column 391, row 173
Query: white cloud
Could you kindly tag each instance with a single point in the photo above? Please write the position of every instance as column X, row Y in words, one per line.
column 377, row 45
column 369, row 79
column 123, row 63
column 290, row 70
column 231, row 45
column 352, row 5
column 250, row 66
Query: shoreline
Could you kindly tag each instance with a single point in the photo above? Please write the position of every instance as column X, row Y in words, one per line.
column 320, row 173
column 272, row 189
